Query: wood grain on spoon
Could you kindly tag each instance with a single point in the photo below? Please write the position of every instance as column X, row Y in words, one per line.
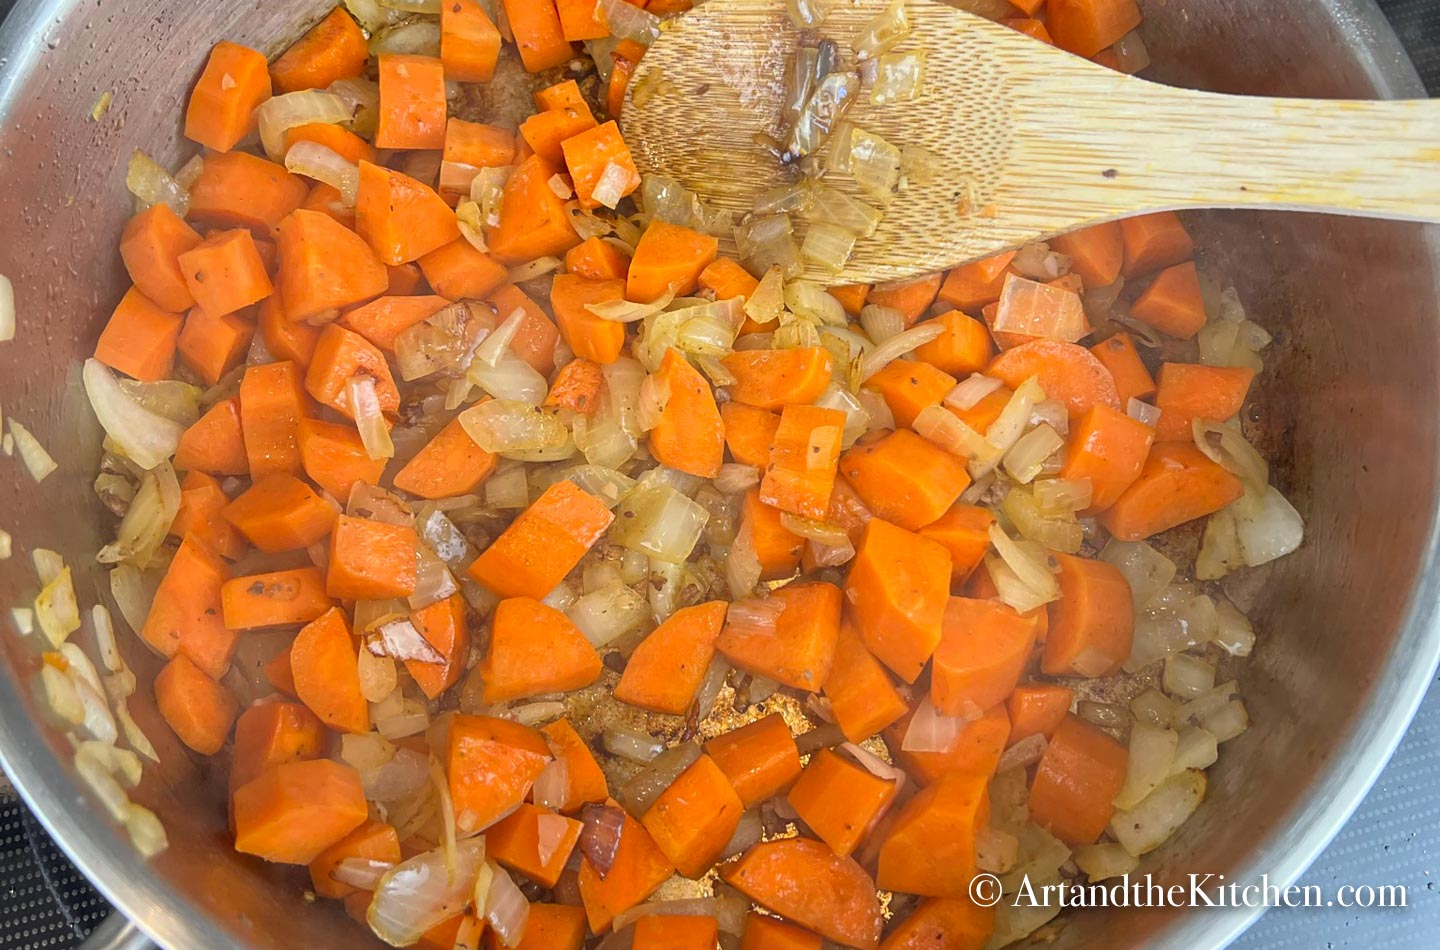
column 1036, row 141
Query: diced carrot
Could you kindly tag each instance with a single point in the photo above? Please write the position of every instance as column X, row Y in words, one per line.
column 905, row 479
column 478, row 145
column 222, row 104
column 581, row 20
column 587, row 781
column 199, row 710
column 372, row 841
column 1189, row 391
column 964, row 531
column 983, row 414
column 727, row 280
column 549, row 927
column 1173, row 303
column 279, row 674
column 1109, row 448
column 972, row 286
column 911, row 297
column 770, row 933
column 450, row 464
column 327, row 673
column 370, row 560
column 694, row 817
column 976, row 749
column 951, row 923
column 1076, row 781
column 326, row 199
column 1085, row 27
column 214, row 444
column 334, row 457
column 1092, row 626
column 797, row 646
column 341, row 355
column 279, row 512
column 1132, row 379
column 626, row 56
column 185, row 616
column 597, row 259
column 776, row 547
column 1153, row 242
column 412, row 102
column 224, row 272
column 214, row 345
column 469, row 41
column 930, row 850
column 201, row 503
column 669, row 256
column 444, row 627
column 963, row 346
column 535, row 340
column 400, row 218
column 151, row 245
column 533, row 219
column 405, row 279
column 803, row 457
column 491, row 766
column 578, row 386
column 336, row 138
column 638, row 869
column 538, row 33
column 278, row 599
column 542, row 545
column 1037, row 710
column 664, row 673
column 381, row 320
column 546, row 132
column 1029, row 27
column 911, row 386
column 1096, row 253
column 804, row 881
column 590, row 156
column 1066, row 372
column 983, row 650
column 239, row 190
column 333, row 49
column 271, row 407
column 324, row 266
column 676, row 932
column 773, row 379
column 749, row 433
column 760, row 759
column 457, row 271
column 861, row 695
column 852, row 297
column 562, row 95
column 294, row 811
column 140, row 339
column 284, row 338
column 535, row 649
column 839, row 800
column 590, row 336
column 534, row 841
column 897, row 587
column 1178, row 484
column 271, row 734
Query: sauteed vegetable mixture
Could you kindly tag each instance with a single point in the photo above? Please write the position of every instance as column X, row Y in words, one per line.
column 550, row 568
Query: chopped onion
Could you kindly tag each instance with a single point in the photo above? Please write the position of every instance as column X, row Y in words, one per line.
column 7, row 309
column 314, row 160
column 511, row 378
column 507, row 489
column 1234, row 633
column 768, row 300
column 883, row 323
column 929, row 731
column 372, row 15
column 506, row 908
column 1024, row 753
column 822, row 113
column 146, row 438
column 377, row 676
column 279, row 114
column 417, row 36
column 24, row 619
column 874, row 164
column 615, row 183
column 1010, row 425
column 1227, row 722
column 32, row 454
column 94, row 771
column 940, row 426
column 1030, row 568
column 1026, row 459
column 422, row 892
column 552, row 785
column 132, row 594
column 899, row 77
column 364, row 403
column 1150, row 824
column 1267, row 526
column 638, row 794
column 665, row 199
column 742, row 563
column 1205, row 704
column 412, row 719
column 886, row 31
column 364, row 873
column 1197, row 749
column 898, row 346
column 1226, row 446
column 1154, row 707
column 660, row 521
column 1151, row 761
column 734, row 478
column 1143, row 412
column 147, row 521
column 401, row 776
column 632, row 744
column 629, row 22
column 806, row 13
column 105, row 643
column 609, row 613
column 1101, row 862
column 600, row 836
column 606, row 484
column 504, row 427
column 828, row 246
column 1146, row 570
column 56, row 609
column 152, row 184
column 835, row 207
column 767, row 242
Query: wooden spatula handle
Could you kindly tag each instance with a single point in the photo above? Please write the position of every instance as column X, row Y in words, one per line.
column 1181, row 149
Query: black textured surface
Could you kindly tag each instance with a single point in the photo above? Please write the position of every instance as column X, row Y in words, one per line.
column 1393, row 838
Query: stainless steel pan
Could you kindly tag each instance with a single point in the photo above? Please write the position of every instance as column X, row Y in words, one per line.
column 1348, row 628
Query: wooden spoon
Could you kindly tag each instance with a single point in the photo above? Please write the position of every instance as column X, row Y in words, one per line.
column 1036, row 141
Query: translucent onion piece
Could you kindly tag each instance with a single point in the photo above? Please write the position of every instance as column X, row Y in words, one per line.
column 1146, row 570
column 1063, row 496
column 929, row 731
column 133, row 592
column 279, row 114
column 417, row 36
column 1151, row 761
column 742, row 563
column 806, row 13
column 834, row 206
column 661, row 522
column 1160, row 814
column 371, row 13
column 7, row 309
column 615, row 183
column 1143, row 412
column 507, row 489
column 1023, row 754
column 1225, row 445
column 314, row 160
column 506, row 908
column 600, row 837
column 1030, row 568
column 767, row 242
column 899, row 77
column 898, row 346
column 826, row 106
column 1104, row 861
column 665, row 199
column 57, row 610
column 638, row 794
column 1059, row 532
column 629, row 22
column 147, row 521
column 552, row 785
column 886, row 31
column 420, row 893
column 786, row 199
column 511, row 378
column 33, row 456
column 1027, row 457
column 874, row 164
column 1267, row 526
column 828, row 246
column 5, row 545
column 940, row 426
column 768, row 299
column 1234, row 632
column 152, row 184
column 624, row 311
column 401, row 776
column 729, row 912
column 363, row 873
column 365, row 405
column 632, row 744
column 1007, row 429
column 1187, row 677
column 818, row 531
column 146, row 438
column 506, row 426
column 857, row 417
column 609, row 613
column 884, row 323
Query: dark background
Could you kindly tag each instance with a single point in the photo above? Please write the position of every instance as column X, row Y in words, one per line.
column 1394, row 837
